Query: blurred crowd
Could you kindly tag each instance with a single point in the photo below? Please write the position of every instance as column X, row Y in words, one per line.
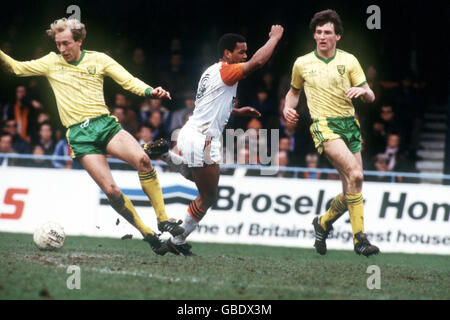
column 390, row 126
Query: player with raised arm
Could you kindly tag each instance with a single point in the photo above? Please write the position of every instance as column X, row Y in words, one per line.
column 199, row 139
column 331, row 78
column 76, row 77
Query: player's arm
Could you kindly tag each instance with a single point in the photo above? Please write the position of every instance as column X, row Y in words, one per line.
column 290, row 105
column 37, row 67
column 246, row 112
column 120, row 75
column 265, row 52
column 293, row 95
column 365, row 93
column 360, row 88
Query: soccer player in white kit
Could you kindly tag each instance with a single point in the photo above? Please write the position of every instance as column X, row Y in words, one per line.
column 199, row 139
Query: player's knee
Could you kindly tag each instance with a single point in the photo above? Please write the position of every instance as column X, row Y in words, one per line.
column 208, row 198
column 357, row 177
column 144, row 163
column 112, row 191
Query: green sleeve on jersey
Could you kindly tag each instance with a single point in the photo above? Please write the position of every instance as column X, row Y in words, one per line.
column 147, row 92
column 360, row 85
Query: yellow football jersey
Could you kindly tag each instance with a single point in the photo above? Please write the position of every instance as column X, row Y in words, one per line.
column 325, row 82
column 78, row 86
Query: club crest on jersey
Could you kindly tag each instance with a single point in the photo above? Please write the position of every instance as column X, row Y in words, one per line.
column 341, row 69
column 202, row 86
column 91, row 69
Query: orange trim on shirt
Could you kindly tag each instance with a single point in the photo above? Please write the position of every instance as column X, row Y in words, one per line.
column 231, row 73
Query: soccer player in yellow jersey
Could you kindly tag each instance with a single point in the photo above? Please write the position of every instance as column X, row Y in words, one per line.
column 331, row 78
column 76, row 77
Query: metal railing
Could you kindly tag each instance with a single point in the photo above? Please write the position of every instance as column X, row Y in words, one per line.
column 393, row 176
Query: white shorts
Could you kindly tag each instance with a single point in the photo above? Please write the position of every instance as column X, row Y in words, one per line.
column 198, row 149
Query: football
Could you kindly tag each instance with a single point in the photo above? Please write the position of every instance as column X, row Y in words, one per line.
column 49, row 236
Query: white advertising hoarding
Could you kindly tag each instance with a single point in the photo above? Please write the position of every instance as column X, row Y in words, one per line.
column 411, row 218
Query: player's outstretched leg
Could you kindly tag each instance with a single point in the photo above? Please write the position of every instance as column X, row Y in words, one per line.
column 159, row 149
column 363, row 246
column 323, row 224
column 321, row 236
column 156, row 244
column 125, row 208
column 151, row 187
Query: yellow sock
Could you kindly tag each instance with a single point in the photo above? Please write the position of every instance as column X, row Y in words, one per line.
column 355, row 208
column 151, row 187
column 336, row 210
column 125, row 208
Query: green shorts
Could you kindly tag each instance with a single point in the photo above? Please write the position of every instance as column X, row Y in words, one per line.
column 92, row 135
column 345, row 128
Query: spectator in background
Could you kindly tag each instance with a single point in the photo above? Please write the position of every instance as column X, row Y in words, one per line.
column 409, row 104
column 6, row 147
column 42, row 117
column 269, row 87
column 398, row 159
column 206, row 58
column 37, row 162
column 46, row 140
column 267, row 109
column 178, row 117
column 121, row 114
column 174, row 79
column 380, row 164
column 157, row 124
column 376, row 139
column 138, row 66
column 19, row 144
column 255, row 141
column 282, row 160
column 150, row 105
column 24, row 112
column 62, row 149
column 144, row 134
column 130, row 116
column 312, row 162
column 388, row 117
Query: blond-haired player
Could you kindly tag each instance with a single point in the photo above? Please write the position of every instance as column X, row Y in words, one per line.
column 76, row 77
column 331, row 78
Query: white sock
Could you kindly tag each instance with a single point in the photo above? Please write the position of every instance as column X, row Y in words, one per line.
column 189, row 224
column 176, row 163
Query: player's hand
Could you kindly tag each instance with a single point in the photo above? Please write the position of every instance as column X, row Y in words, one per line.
column 276, row 32
column 291, row 116
column 160, row 93
column 355, row 92
column 248, row 112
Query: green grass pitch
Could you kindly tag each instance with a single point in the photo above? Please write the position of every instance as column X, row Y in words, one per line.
column 128, row 269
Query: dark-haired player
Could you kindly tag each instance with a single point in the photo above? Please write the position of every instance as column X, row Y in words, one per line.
column 199, row 139
column 331, row 78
